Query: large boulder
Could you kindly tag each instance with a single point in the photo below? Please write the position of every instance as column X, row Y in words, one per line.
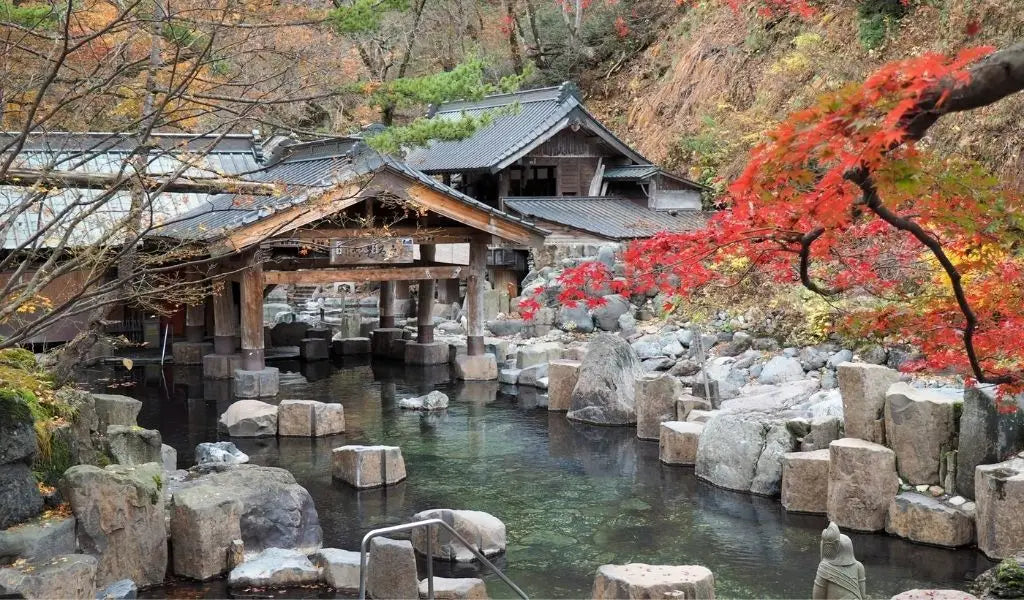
column 928, row 520
column 987, row 434
column 121, row 520
column 781, row 369
column 485, row 531
column 39, row 540
column 920, row 426
column 638, row 580
column 999, row 493
column 132, row 445
column 250, row 418
column 656, row 395
column 606, row 316
column 743, row 451
column 863, row 387
column 391, row 570
column 575, row 318
column 862, row 482
column 605, row 393
column 203, row 527
column 277, row 512
column 19, row 494
column 274, row 567
column 68, row 576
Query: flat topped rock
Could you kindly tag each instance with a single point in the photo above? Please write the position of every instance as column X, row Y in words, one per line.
column 39, row 539
column 485, row 531
column 463, row 588
column 223, row 453
column 934, row 595
column 368, row 466
column 435, row 400
column 927, row 520
column 274, row 567
column 340, row 568
column 250, row 418
column 67, row 576
column 638, row 580
column 678, row 442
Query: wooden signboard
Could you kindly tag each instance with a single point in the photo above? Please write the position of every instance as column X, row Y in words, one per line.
column 362, row 251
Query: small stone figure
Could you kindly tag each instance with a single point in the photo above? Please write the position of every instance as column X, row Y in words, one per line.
column 840, row 576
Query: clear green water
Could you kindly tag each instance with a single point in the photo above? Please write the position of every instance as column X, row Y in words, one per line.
column 573, row 497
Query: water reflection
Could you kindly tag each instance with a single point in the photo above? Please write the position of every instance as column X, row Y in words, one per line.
column 572, row 496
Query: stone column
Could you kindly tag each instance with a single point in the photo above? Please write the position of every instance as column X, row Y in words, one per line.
column 254, row 379
column 224, row 360
column 425, row 301
column 384, row 337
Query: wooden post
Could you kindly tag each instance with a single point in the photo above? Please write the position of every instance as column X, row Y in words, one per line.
column 386, row 302
column 448, row 291
column 252, row 318
column 475, row 296
column 224, row 328
column 195, row 316
column 425, row 301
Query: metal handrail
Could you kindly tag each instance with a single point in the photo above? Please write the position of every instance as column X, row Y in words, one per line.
column 430, row 555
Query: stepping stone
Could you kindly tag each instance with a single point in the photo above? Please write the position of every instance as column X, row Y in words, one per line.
column 639, row 580
column 455, row 589
column 340, row 568
column 368, row 466
column 274, row 567
column 927, row 520
column 805, row 481
column 484, row 530
column 678, row 442
column 391, row 569
column 862, row 482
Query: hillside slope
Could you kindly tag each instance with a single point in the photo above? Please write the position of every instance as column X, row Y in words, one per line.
column 714, row 80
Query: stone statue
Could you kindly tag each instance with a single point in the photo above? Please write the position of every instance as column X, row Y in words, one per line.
column 840, row 576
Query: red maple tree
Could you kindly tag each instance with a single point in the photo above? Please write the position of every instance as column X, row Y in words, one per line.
column 842, row 199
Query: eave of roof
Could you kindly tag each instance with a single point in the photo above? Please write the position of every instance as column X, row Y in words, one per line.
column 611, row 217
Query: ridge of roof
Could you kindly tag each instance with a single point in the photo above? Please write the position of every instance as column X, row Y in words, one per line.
column 557, row 94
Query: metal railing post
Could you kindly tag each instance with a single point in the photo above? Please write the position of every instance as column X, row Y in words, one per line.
column 428, row 523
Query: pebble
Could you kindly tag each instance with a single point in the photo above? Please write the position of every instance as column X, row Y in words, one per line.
column 957, row 500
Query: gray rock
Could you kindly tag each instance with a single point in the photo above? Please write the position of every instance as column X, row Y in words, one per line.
column 124, row 589
column 647, row 347
column 606, row 316
column 605, row 391
column 576, row 318
column 765, row 344
column 999, row 490
column 506, row 327
column 684, row 368
column 274, row 567
column 204, row 524
column 68, row 576
column 743, row 451
column 656, row 396
column 839, row 358
column 484, row 530
column 920, row 427
column 391, row 569
column 340, row 568
column 114, row 409
column 250, row 418
column 121, row 520
column 132, row 445
column 19, row 494
column 926, row 520
column 223, row 453
column 368, row 466
column 435, row 400
column 277, row 512
column 812, row 359
column 38, row 540
column 874, row 354
column 662, row 363
column 606, row 255
column 627, row 324
column 168, row 457
column 863, row 390
column 637, row 580
column 987, row 435
column 464, row 588
column 781, row 369
column 17, row 435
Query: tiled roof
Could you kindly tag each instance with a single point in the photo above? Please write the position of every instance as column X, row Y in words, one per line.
column 307, row 168
column 630, row 172
column 616, row 218
column 520, row 120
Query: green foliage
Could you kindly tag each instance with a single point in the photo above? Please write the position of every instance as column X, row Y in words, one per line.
column 183, row 36
column 1009, row 579
column 875, row 19
column 421, row 131
column 467, row 81
column 53, row 459
column 704, row 153
column 19, row 358
column 29, row 14
column 363, row 16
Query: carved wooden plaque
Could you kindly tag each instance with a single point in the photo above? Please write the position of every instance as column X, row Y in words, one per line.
column 362, row 251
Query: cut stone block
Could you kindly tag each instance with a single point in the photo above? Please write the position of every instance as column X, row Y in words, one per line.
column 391, row 570
column 463, row 588
column 314, row 349
column 434, row 353
column 368, row 466
column 934, row 595
column 250, row 418
column 656, row 395
column 309, row 418
column 190, row 353
column 920, row 426
column 324, row 333
column 398, row 349
column 686, row 403
column 221, row 366
column 562, row 377
column 481, row 367
column 988, row 434
column 114, row 409
column 257, row 384
column 203, row 526
column 924, row 519
column 132, row 445
column 274, row 567
column 509, row 376
column 381, row 338
column 68, row 576
column 340, row 568
column 863, row 387
column 999, row 496
column 484, row 530
column 538, row 354
column 678, row 442
column 38, row 540
column 638, row 580
column 862, row 482
column 168, row 458
column 352, row 346
column 700, row 416
column 805, row 481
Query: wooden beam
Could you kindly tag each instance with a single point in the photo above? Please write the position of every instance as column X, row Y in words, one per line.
column 224, row 329
column 126, row 181
column 396, row 273
column 421, row 235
